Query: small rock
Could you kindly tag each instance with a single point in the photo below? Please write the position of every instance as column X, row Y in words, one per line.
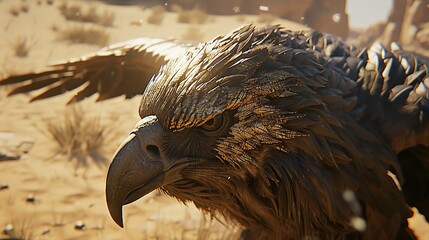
column 25, row 146
column 30, row 198
column 8, row 229
column 79, row 225
column 5, row 157
column 46, row 231
column 4, row 186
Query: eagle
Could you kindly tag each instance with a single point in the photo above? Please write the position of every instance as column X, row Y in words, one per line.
column 292, row 135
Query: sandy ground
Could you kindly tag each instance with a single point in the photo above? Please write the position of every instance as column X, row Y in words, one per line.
column 47, row 193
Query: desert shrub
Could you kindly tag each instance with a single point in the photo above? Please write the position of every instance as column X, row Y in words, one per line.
column 77, row 134
column 76, row 13
column 106, row 18
column 183, row 16
column 193, row 34
column 70, row 12
column 196, row 15
column 85, row 34
column 156, row 15
column 176, row 8
column 21, row 47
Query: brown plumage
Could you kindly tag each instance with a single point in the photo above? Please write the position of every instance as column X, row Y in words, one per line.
column 290, row 135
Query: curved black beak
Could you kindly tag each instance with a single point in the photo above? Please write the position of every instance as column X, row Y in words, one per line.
column 139, row 167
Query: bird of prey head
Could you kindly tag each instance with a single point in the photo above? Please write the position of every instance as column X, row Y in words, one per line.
column 289, row 134
column 199, row 115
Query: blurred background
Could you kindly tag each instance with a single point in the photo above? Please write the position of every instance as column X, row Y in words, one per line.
column 404, row 21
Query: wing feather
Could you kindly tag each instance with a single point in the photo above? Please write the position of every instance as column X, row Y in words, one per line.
column 119, row 69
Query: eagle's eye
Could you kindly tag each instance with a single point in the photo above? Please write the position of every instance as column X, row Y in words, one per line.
column 218, row 125
column 213, row 124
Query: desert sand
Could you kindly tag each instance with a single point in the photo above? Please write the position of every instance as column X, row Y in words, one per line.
column 47, row 195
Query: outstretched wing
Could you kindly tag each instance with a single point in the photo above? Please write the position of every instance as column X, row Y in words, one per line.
column 392, row 88
column 395, row 86
column 409, row 128
column 392, row 97
column 119, row 69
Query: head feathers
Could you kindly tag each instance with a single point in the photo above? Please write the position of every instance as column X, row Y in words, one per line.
column 206, row 80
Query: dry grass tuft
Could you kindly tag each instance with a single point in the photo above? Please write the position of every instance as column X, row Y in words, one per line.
column 76, row 13
column 106, row 18
column 266, row 18
column 79, row 135
column 193, row 34
column 70, row 12
column 195, row 16
column 21, row 47
column 20, row 229
column 176, row 8
column 157, row 15
column 58, row 219
column 86, row 35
